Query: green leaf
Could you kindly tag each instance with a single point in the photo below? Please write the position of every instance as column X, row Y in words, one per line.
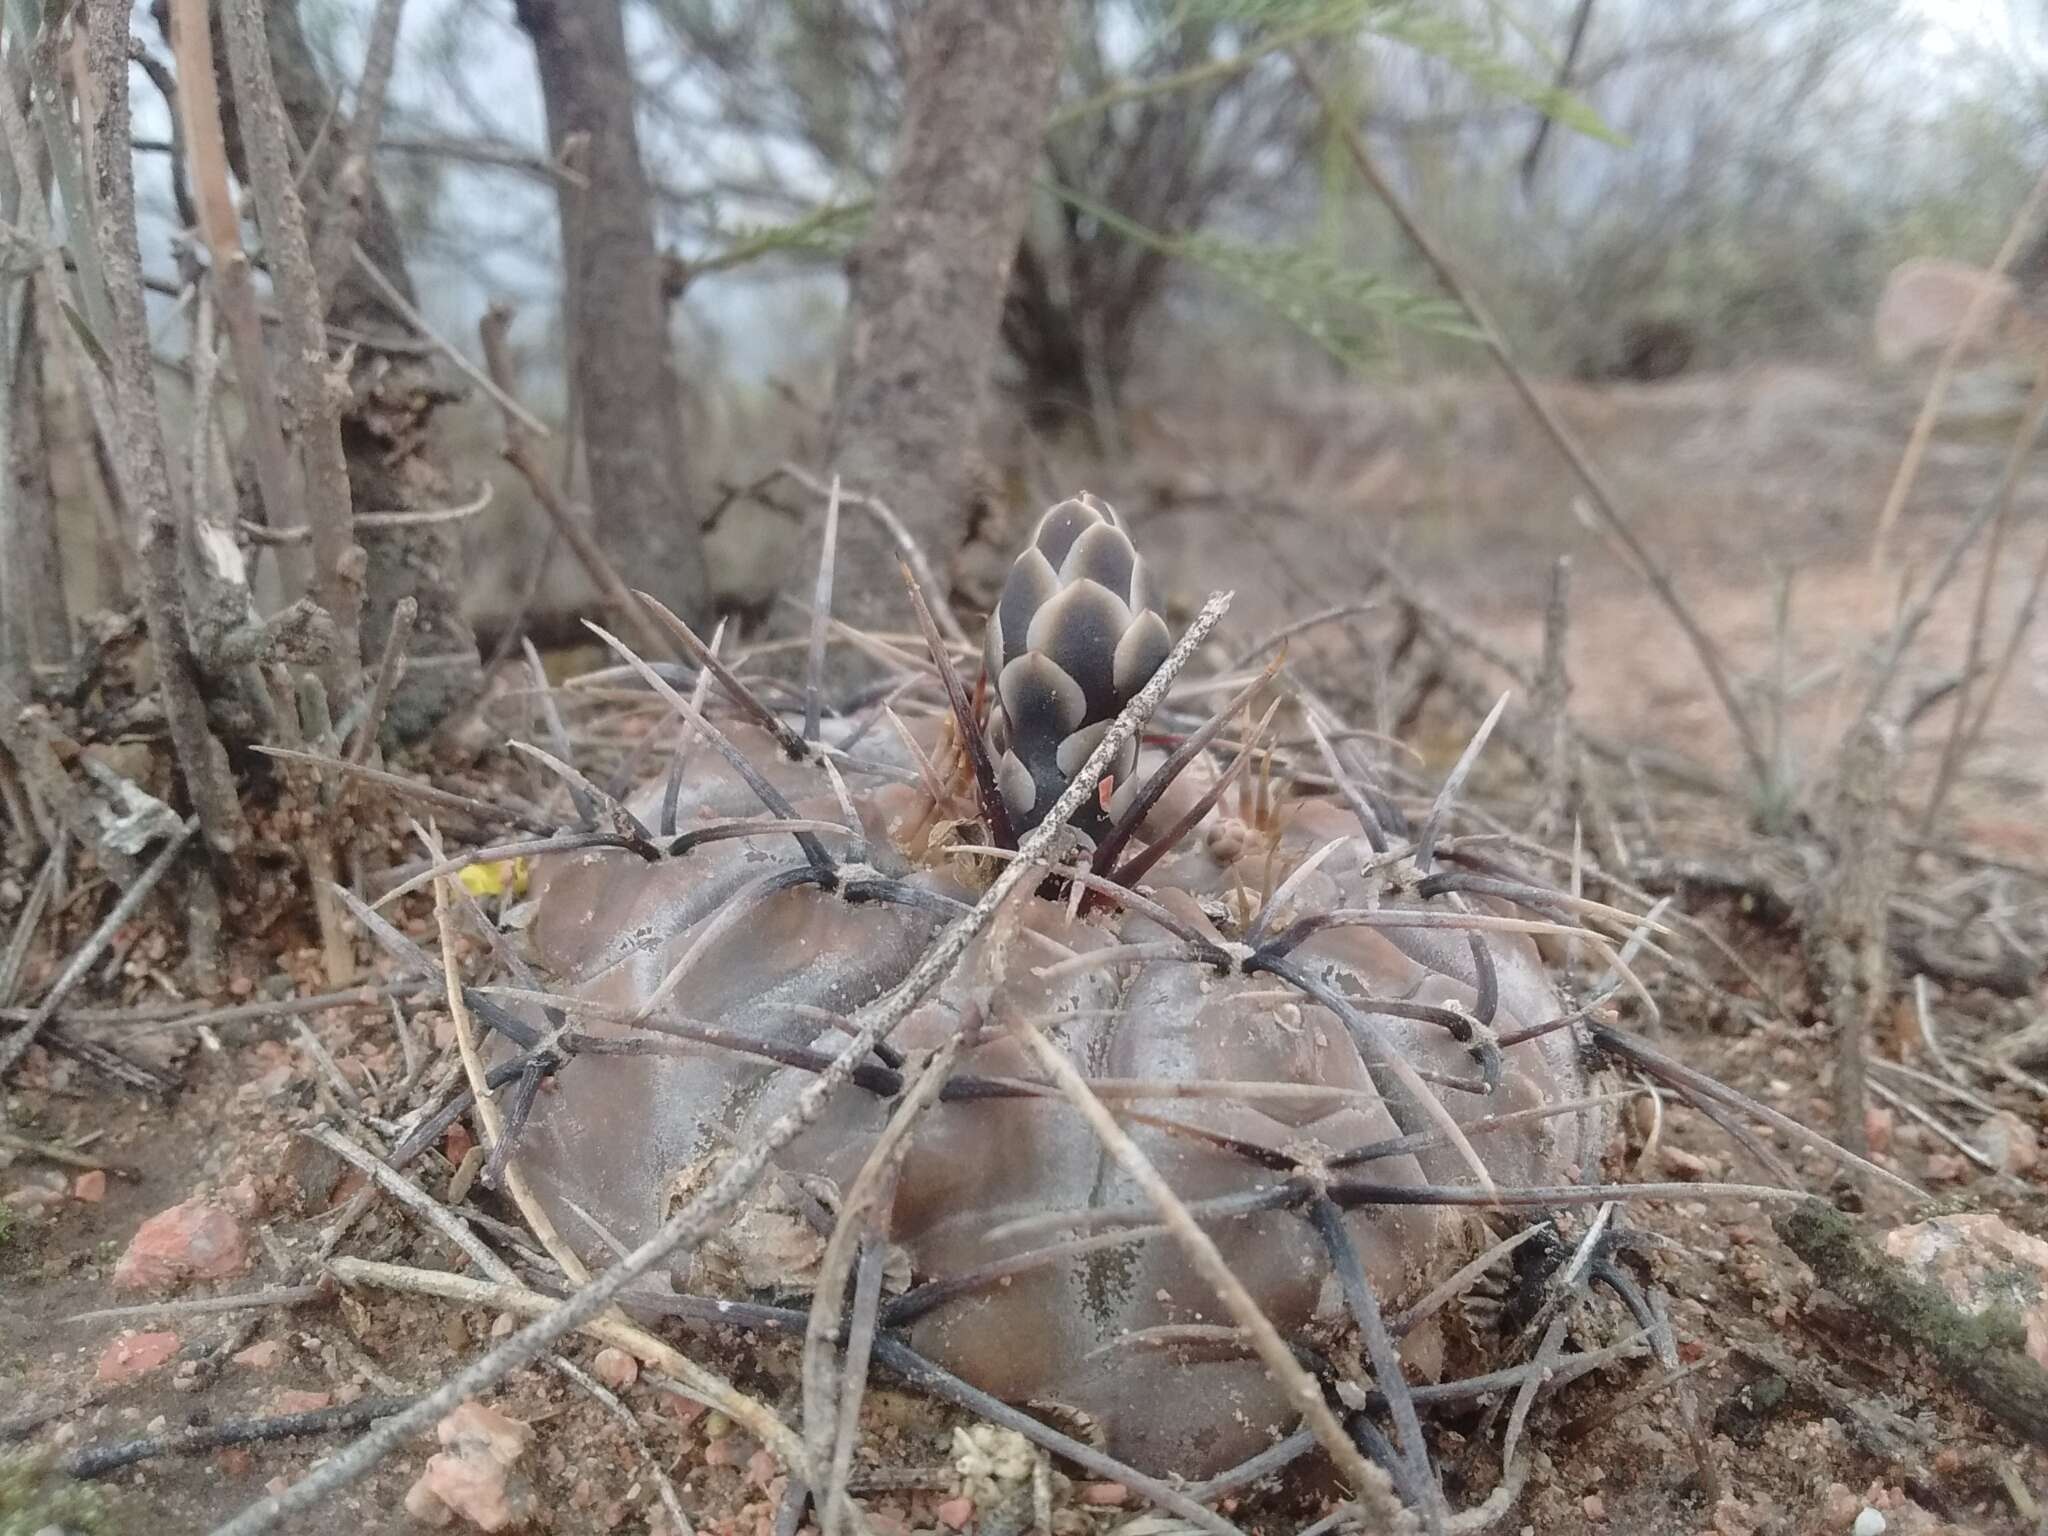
column 1341, row 309
column 86, row 339
column 1427, row 30
column 827, row 231
column 1446, row 38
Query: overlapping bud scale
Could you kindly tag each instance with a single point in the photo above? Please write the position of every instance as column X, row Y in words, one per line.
column 1072, row 639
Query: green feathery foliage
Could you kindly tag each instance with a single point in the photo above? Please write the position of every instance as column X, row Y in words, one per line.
column 1339, row 308
column 1342, row 309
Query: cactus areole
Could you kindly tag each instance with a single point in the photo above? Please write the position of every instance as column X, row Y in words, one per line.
column 1285, row 1003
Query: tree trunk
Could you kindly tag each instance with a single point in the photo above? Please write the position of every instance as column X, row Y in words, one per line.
column 925, row 303
column 387, row 433
column 623, row 369
column 35, row 503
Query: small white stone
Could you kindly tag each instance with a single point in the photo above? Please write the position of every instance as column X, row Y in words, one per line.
column 1869, row 1523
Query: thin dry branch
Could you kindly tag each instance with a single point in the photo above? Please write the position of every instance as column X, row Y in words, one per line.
column 16, row 1045
column 1966, row 332
column 1846, row 943
column 319, row 391
column 1369, row 1484
column 522, row 455
column 1964, row 729
column 350, row 192
column 144, row 462
column 1604, row 500
column 220, row 226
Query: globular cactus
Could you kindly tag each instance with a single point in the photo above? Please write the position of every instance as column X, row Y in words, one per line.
column 1292, row 997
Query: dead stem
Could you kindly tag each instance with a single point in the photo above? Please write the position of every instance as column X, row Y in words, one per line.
column 16, row 1045
column 1603, row 499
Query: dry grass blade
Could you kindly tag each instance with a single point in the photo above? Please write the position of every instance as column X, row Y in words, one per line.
column 821, row 626
column 390, row 668
column 490, row 1122
column 1447, row 796
column 413, row 789
column 1963, row 728
column 795, row 747
column 16, row 1045
column 416, row 1200
column 1458, row 1283
column 1135, row 868
column 558, row 734
column 1908, row 624
column 1970, row 327
column 899, row 535
column 1604, row 501
column 1176, row 763
column 1696, row 1085
column 591, row 800
column 832, row 1416
column 1382, row 1354
column 596, row 1390
column 523, row 848
column 1369, row 1484
column 698, row 1218
column 994, row 809
column 14, row 955
column 1375, row 1050
column 751, row 776
column 701, row 1384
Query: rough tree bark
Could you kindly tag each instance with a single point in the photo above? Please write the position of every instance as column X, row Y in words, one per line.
column 624, row 374
column 50, row 621
column 387, row 431
column 927, row 280
column 146, row 476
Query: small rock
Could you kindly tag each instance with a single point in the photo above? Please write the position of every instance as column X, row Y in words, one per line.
column 502, row 1325
column 90, row 1187
column 1681, row 1164
column 36, row 1199
column 955, row 1513
column 133, row 1355
column 763, row 1468
column 267, row 1356
column 2009, row 1142
column 615, row 1368
column 425, row 1505
column 293, row 1401
column 1878, row 1127
column 1105, row 1494
column 235, row 1461
column 1981, row 1263
column 1945, row 1168
column 1926, row 302
column 312, row 1176
column 473, row 1477
column 728, row 1450
column 1594, row 1506
column 1868, row 1523
column 193, row 1241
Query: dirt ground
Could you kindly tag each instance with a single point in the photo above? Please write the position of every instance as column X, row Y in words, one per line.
column 1809, row 1415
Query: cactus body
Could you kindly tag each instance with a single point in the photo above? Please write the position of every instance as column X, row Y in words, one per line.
column 774, row 957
